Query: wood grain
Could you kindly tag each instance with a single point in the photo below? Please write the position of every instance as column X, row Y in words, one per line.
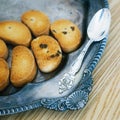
column 104, row 100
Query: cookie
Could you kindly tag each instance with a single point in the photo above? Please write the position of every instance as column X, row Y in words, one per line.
column 37, row 21
column 47, row 53
column 15, row 32
column 4, row 74
column 67, row 33
column 3, row 50
column 23, row 67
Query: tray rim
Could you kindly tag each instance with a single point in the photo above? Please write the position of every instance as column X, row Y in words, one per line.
column 63, row 103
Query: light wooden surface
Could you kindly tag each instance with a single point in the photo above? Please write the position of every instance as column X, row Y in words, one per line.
column 104, row 100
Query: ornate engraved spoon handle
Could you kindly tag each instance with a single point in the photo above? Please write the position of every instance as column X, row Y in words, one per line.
column 68, row 78
column 78, row 62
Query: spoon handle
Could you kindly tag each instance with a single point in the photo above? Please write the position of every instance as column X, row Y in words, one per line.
column 68, row 78
column 76, row 65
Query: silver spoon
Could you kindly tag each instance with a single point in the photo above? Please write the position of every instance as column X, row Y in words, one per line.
column 98, row 29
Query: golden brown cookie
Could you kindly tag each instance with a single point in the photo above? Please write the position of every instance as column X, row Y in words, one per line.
column 4, row 74
column 23, row 67
column 3, row 50
column 47, row 53
column 37, row 21
column 67, row 34
column 15, row 33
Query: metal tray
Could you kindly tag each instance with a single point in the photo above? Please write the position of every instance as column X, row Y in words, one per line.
column 44, row 91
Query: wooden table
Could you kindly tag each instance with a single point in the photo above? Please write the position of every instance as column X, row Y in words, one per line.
column 104, row 100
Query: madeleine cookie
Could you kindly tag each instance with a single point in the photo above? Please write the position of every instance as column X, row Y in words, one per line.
column 47, row 52
column 4, row 74
column 3, row 50
column 23, row 68
column 15, row 33
column 67, row 34
column 37, row 21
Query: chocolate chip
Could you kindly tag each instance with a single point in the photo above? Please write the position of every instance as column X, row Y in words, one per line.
column 52, row 56
column 9, row 27
column 54, row 31
column 64, row 32
column 72, row 28
column 58, row 52
column 43, row 45
column 55, row 55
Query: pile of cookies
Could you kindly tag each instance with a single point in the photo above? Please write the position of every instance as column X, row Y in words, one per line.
column 44, row 50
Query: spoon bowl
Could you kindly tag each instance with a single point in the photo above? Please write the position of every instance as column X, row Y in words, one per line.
column 99, row 25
